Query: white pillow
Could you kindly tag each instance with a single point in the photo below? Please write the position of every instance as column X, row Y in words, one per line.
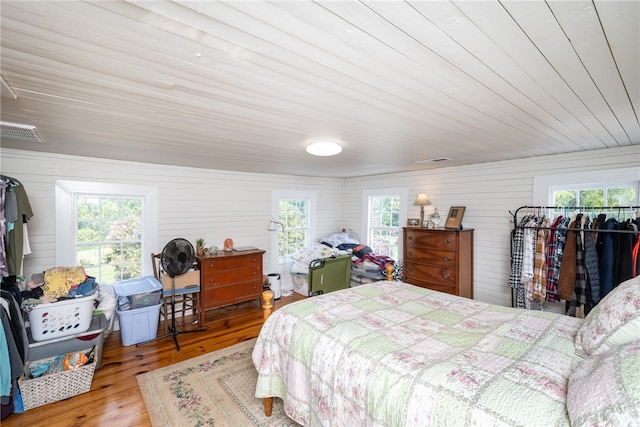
column 604, row 389
column 614, row 321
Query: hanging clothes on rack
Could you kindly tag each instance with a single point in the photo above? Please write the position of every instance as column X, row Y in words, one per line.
column 555, row 245
column 517, row 258
column 577, row 259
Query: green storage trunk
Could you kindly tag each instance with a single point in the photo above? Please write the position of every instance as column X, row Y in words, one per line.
column 329, row 274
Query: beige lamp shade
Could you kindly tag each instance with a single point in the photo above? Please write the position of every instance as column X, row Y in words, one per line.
column 422, row 199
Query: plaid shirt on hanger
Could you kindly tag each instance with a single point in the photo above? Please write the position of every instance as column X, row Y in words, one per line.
column 539, row 289
column 516, row 262
column 555, row 244
column 581, row 269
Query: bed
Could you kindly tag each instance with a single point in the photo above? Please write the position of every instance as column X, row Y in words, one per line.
column 393, row 354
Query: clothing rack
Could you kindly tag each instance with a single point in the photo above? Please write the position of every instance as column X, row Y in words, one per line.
column 628, row 211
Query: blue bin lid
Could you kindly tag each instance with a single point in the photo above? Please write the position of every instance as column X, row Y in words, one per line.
column 140, row 285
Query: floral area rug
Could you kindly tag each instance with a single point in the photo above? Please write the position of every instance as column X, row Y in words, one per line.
column 215, row 389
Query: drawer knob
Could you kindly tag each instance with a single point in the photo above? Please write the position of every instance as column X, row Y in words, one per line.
column 447, row 258
column 447, row 241
column 446, row 275
column 410, row 253
column 410, row 238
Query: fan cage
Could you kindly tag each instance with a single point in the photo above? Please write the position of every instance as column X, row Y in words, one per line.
column 177, row 257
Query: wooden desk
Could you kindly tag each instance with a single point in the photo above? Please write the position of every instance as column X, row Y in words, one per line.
column 228, row 278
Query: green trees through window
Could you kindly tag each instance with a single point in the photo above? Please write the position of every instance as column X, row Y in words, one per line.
column 294, row 216
column 384, row 225
column 596, row 197
column 109, row 237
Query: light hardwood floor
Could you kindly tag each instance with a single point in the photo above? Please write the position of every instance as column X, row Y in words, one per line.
column 115, row 399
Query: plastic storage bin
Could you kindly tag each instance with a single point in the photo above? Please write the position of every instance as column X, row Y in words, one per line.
column 62, row 318
column 93, row 337
column 138, row 325
column 300, row 283
column 142, row 292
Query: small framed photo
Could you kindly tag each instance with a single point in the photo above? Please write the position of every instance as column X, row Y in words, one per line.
column 454, row 220
column 413, row 222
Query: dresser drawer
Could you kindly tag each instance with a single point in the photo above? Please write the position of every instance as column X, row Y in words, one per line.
column 429, row 273
column 230, row 294
column 215, row 277
column 432, row 239
column 432, row 256
column 220, row 264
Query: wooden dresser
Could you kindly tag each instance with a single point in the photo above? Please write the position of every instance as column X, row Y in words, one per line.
column 441, row 260
column 229, row 277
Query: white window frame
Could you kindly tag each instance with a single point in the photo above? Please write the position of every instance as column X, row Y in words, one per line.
column 277, row 195
column 402, row 193
column 67, row 192
column 545, row 185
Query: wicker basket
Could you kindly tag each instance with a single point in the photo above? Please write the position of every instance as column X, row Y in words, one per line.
column 54, row 387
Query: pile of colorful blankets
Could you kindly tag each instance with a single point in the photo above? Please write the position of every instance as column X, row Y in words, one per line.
column 344, row 243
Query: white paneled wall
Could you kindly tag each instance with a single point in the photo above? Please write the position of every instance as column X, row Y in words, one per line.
column 489, row 191
column 193, row 203
column 215, row 204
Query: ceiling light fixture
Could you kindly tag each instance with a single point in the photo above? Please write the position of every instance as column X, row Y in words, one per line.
column 324, row 148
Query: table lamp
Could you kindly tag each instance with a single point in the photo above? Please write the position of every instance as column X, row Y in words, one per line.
column 422, row 200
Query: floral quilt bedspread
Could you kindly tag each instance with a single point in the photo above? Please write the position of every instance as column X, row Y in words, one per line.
column 392, row 354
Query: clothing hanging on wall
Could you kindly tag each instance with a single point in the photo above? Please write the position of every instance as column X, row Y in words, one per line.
column 578, row 258
column 14, row 349
column 15, row 212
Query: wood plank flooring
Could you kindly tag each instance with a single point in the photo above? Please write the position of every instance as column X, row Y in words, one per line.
column 115, row 399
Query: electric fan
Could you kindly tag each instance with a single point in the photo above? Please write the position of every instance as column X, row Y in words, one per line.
column 176, row 258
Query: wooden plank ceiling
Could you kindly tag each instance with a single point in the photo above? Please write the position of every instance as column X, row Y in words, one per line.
column 246, row 85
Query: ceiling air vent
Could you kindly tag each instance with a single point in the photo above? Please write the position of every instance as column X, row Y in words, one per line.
column 19, row 132
column 437, row 159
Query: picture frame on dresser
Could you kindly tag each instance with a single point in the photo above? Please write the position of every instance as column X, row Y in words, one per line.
column 454, row 219
column 413, row 222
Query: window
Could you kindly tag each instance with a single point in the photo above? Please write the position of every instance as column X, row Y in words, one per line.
column 106, row 228
column 109, row 237
column 385, row 214
column 293, row 212
column 619, row 188
column 604, row 195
